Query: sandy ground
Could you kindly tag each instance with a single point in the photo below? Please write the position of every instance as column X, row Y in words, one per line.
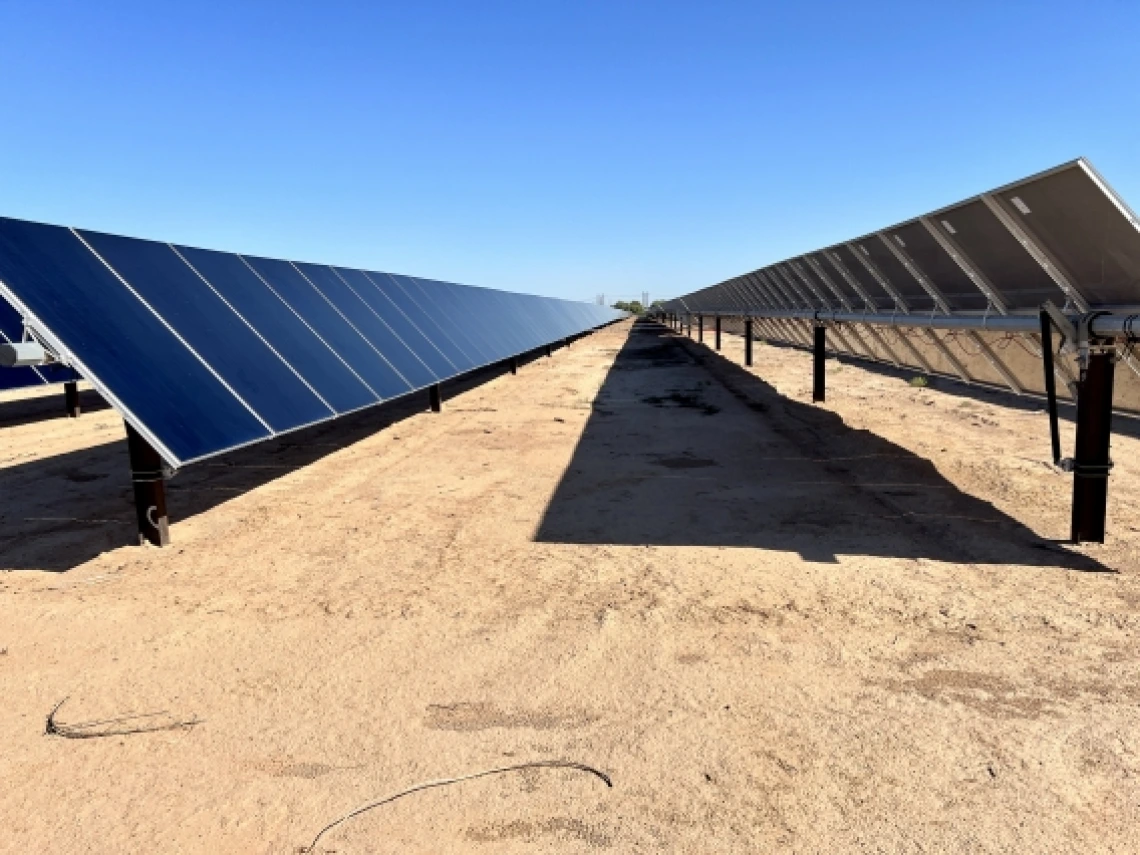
column 779, row 627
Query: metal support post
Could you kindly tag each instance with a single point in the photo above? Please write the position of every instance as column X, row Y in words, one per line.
column 150, row 490
column 514, row 365
column 435, row 396
column 820, row 356
column 1091, row 462
column 701, row 328
column 549, row 350
column 748, row 341
column 718, row 332
column 71, row 398
column 1050, row 384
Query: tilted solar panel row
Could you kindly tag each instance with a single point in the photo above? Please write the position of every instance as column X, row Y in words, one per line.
column 1062, row 235
column 205, row 351
column 1057, row 252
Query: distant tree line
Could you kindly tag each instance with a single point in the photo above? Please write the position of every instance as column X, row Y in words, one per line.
column 634, row 306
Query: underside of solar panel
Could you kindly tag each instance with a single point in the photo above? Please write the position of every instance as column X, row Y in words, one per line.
column 980, row 291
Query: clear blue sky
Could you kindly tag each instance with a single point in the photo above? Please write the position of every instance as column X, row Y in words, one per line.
column 566, row 148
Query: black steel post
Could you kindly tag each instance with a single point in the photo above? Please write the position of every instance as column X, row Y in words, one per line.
column 150, row 490
column 748, row 341
column 71, row 398
column 1091, row 462
column 819, row 356
column 435, row 397
column 548, row 350
column 718, row 332
column 1050, row 384
column 700, row 328
column 514, row 365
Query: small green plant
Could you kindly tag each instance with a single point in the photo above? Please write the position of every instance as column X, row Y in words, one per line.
column 919, row 382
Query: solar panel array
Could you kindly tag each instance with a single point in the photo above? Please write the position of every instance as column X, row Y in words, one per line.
column 204, row 351
column 984, row 264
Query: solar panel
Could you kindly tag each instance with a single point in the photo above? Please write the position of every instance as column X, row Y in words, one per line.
column 971, row 290
column 204, row 351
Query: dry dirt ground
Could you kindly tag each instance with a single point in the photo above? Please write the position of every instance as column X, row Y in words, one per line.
column 779, row 627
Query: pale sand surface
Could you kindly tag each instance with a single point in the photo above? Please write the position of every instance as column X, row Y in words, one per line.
column 779, row 627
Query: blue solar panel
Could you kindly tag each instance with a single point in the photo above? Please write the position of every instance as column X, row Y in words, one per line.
column 400, row 324
column 232, row 348
column 205, row 351
column 285, row 331
column 115, row 337
column 331, row 325
column 468, row 328
column 412, row 301
column 415, row 374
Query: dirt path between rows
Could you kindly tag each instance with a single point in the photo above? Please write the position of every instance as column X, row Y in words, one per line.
column 779, row 627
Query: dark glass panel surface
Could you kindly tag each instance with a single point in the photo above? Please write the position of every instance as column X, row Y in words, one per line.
column 212, row 329
column 370, row 325
column 122, row 343
column 399, row 323
column 330, row 325
column 281, row 327
column 469, row 327
column 411, row 302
